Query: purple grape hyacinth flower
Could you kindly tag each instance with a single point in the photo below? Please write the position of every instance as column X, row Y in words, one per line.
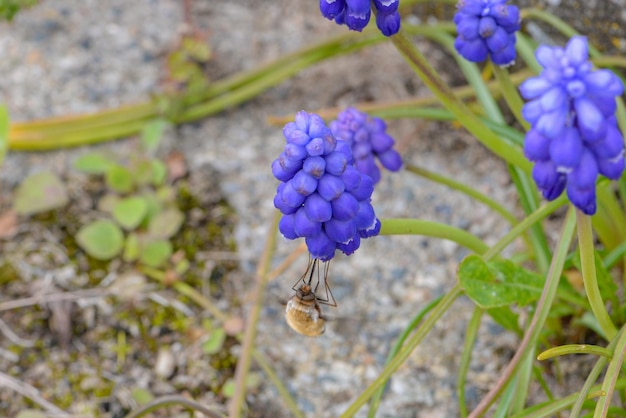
column 486, row 28
column 368, row 138
column 574, row 134
column 324, row 199
column 355, row 14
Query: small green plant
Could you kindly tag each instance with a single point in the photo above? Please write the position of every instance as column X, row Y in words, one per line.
column 9, row 8
column 140, row 215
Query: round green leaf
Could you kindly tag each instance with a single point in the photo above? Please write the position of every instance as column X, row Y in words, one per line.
column 101, row 239
column 93, row 163
column 155, row 253
column 166, row 224
column 159, row 172
column 131, row 248
column 130, row 212
column 38, row 193
column 119, row 178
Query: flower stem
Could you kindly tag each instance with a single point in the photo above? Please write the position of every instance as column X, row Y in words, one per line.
column 588, row 266
column 527, row 346
column 433, row 229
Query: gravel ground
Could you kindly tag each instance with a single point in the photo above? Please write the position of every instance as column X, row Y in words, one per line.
column 61, row 58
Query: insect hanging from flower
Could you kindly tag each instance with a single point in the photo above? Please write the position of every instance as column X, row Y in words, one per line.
column 303, row 312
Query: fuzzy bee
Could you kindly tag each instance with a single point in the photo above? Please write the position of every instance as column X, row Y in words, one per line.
column 303, row 312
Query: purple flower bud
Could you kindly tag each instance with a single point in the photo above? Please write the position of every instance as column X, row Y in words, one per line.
column 331, row 8
column 590, row 120
column 566, row 149
column 305, row 227
column 280, row 204
column 351, row 246
column 285, row 226
column 336, row 163
column 351, row 178
column 356, row 20
column 330, row 187
column 386, row 6
column 315, row 147
column 321, row 246
column 345, row 207
column 291, row 196
column 317, row 208
column 548, row 179
column 536, row 146
column 611, row 145
column 340, row 231
column 280, row 173
column 304, row 183
column 583, row 199
column 295, row 152
column 365, row 188
column 391, row 160
column 388, row 24
column 315, row 166
column 365, row 217
column 372, row 231
column 612, row 168
column 585, row 173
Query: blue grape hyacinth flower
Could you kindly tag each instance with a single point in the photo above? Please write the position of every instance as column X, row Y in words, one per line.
column 574, row 135
column 355, row 14
column 486, row 28
column 368, row 138
column 324, row 199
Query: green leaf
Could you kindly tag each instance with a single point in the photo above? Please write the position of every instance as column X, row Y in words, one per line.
column 131, row 248
column 143, row 172
column 228, row 389
column 101, row 239
column 4, row 132
column 119, row 179
column 38, row 193
column 152, row 133
column 155, row 253
column 159, row 172
column 129, row 212
column 166, row 224
column 498, row 283
column 93, row 163
column 142, row 396
column 30, row 413
column 214, row 343
column 506, row 318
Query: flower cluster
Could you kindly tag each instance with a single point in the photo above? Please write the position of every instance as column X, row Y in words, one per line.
column 368, row 138
column 322, row 196
column 574, row 135
column 486, row 27
column 356, row 14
